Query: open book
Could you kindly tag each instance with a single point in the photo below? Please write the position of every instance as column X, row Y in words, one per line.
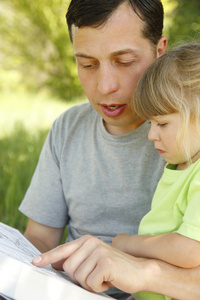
column 21, row 280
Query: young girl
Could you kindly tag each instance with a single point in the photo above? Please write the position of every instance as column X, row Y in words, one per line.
column 168, row 95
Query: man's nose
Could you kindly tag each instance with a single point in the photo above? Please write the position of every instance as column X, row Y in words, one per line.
column 107, row 80
column 153, row 134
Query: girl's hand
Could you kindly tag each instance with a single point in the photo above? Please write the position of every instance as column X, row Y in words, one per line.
column 120, row 241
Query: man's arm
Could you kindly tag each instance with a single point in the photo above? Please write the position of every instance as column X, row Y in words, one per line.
column 44, row 238
column 172, row 248
column 96, row 266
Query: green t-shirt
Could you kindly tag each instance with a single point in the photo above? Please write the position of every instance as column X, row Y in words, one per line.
column 175, row 208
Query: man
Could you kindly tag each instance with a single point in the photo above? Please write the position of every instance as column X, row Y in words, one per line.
column 97, row 171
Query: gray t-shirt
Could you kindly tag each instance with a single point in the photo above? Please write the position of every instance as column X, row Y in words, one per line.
column 92, row 181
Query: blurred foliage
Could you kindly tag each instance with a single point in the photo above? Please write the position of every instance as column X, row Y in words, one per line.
column 35, row 50
column 36, row 53
column 25, row 120
column 182, row 20
column 169, row 8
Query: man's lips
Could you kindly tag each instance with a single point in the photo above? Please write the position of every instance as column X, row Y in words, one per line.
column 113, row 110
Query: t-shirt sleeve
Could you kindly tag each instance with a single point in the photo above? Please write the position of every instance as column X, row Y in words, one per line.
column 44, row 200
column 191, row 219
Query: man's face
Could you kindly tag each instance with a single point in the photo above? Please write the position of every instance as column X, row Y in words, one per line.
column 110, row 60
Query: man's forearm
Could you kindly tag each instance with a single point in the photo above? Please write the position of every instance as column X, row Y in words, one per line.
column 43, row 237
column 38, row 243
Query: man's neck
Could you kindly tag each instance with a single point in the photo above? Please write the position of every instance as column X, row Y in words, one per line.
column 124, row 129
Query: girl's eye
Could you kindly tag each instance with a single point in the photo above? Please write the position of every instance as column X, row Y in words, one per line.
column 162, row 124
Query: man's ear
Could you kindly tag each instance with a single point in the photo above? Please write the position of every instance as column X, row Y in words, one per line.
column 161, row 46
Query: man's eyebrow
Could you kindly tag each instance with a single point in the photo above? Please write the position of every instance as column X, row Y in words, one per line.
column 115, row 53
column 123, row 51
column 83, row 55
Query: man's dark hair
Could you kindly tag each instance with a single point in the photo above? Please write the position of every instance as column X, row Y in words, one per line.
column 96, row 12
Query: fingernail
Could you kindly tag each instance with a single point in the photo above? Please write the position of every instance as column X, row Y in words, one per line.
column 37, row 259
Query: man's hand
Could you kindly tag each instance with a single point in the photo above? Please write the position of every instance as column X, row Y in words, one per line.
column 96, row 265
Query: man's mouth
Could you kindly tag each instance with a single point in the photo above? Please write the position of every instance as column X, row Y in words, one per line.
column 113, row 107
column 113, row 111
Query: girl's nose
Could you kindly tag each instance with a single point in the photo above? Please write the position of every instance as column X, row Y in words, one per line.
column 153, row 134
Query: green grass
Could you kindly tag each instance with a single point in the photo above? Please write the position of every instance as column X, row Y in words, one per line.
column 34, row 112
column 24, row 121
column 19, row 154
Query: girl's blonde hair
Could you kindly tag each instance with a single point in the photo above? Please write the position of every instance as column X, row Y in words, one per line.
column 172, row 85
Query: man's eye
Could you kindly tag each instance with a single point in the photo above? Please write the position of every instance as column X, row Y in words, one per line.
column 89, row 66
column 86, row 66
column 125, row 63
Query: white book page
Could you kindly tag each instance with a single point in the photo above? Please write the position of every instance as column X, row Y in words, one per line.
column 15, row 245
column 2, row 296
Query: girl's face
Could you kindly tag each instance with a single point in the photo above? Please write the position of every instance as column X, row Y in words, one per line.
column 163, row 132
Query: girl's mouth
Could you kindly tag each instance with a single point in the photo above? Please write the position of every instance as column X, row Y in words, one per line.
column 161, row 151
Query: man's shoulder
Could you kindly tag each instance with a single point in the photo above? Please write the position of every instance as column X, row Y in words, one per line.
column 71, row 127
